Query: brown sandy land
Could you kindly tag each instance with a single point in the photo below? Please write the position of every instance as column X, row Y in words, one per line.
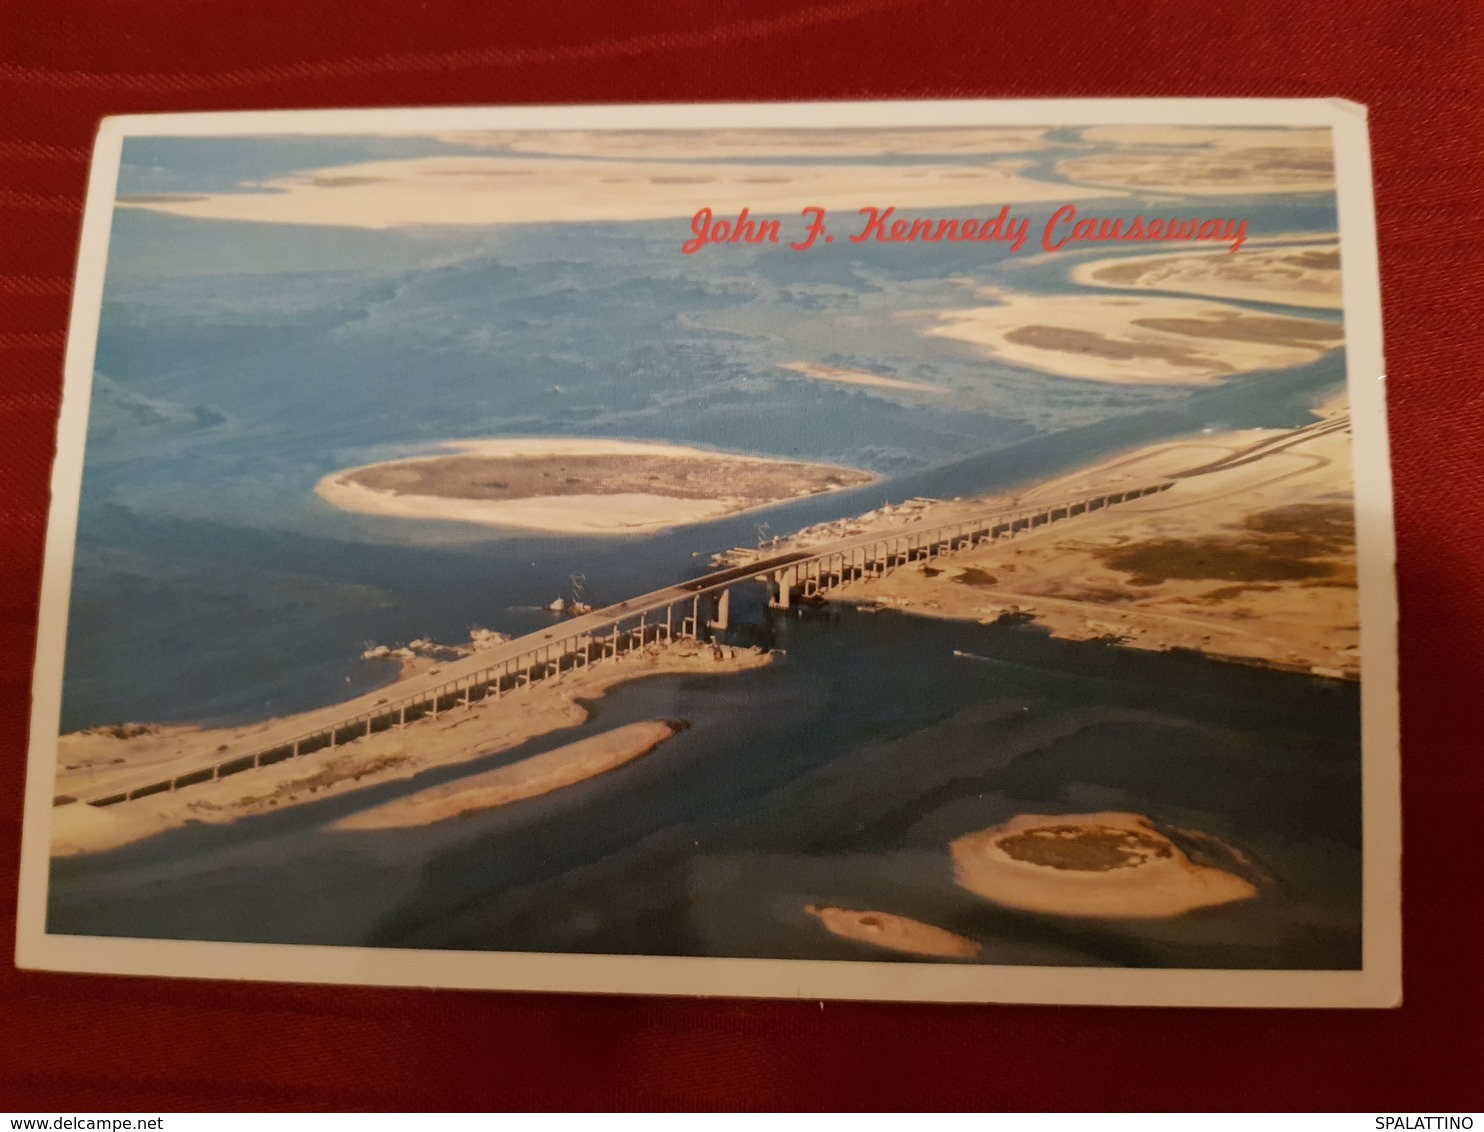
column 1295, row 275
column 1136, row 341
column 1103, row 865
column 1172, row 247
column 893, row 932
column 455, row 736
column 1211, row 137
column 1206, row 161
column 1255, row 563
column 578, row 485
column 821, row 372
column 523, row 190
column 700, row 145
column 529, row 778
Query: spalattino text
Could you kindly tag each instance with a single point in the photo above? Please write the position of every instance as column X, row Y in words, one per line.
column 882, row 226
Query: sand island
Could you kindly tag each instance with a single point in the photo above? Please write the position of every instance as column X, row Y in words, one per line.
column 529, row 778
column 1103, row 865
column 1134, row 340
column 891, row 932
column 579, row 485
column 1202, row 160
column 1305, row 275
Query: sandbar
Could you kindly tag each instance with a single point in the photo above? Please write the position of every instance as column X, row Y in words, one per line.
column 894, row 933
column 529, row 778
column 577, row 485
column 478, row 190
column 1101, row 865
column 1131, row 340
column 1294, row 275
column 821, row 372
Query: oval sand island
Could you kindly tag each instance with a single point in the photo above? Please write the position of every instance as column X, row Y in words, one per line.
column 1107, row 865
column 578, row 485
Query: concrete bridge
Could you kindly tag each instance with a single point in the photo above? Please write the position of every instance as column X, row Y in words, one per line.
column 688, row 610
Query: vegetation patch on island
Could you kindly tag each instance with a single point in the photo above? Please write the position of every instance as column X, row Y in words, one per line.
column 1299, row 542
column 1104, row 866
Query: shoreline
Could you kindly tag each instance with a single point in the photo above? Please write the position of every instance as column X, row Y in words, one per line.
column 1134, row 339
column 530, row 778
column 1313, row 281
column 479, row 189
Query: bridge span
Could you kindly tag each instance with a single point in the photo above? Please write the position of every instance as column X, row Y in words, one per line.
column 687, row 610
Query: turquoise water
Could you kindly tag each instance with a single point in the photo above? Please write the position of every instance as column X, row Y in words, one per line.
column 239, row 363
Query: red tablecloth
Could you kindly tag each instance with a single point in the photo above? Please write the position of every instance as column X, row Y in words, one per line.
column 77, row 1043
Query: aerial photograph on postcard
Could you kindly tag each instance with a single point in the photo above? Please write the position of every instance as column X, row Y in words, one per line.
column 926, row 545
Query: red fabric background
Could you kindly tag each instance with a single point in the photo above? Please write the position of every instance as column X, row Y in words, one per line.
column 83, row 1043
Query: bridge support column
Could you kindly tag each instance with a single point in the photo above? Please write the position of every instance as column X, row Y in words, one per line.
column 722, row 620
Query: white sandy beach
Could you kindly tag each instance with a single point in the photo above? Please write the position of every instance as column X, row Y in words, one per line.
column 1136, row 341
column 529, row 778
column 564, row 514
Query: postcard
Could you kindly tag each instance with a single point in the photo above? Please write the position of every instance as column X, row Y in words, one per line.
column 934, row 551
